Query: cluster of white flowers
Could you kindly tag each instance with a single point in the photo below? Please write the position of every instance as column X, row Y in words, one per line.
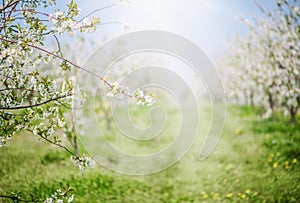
column 124, row 2
column 25, row 86
column 60, row 197
column 117, row 90
column 51, row 2
column 142, row 99
column 2, row 140
column 83, row 162
column 62, row 23
column 78, row 98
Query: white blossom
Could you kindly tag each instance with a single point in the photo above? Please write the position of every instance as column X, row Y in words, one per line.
column 48, row 200
column 71, row 198
column 59, row 197
column 142, row 99
column 83, row 162
column 116, row 90
column 126, row 27
column 124, row 2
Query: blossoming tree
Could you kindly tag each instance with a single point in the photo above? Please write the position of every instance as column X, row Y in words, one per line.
column 266, row 64
column 30, row 99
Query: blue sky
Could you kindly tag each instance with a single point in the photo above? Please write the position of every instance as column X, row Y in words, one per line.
column 211, row 24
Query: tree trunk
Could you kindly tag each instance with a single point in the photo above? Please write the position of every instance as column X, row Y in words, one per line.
column 252, row 98
column 108, row 126
column 262, row 109
column 107, row 119
column 293, row 113
column 271, row 103
column 75, row 145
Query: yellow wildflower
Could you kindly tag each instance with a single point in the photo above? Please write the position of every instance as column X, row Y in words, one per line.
column 204, row 196
column 216, row 196
column 239, row 131
column 275, row 165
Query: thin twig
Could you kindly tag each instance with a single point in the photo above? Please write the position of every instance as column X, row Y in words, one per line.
column 28, row 10
column 113, row 22
column 67, row 107
column 95, row 11
column 8, row 5
column 55, row 143
column 58, row 45
column 7, row 77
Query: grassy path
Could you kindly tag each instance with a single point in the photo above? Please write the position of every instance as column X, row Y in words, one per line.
column 255, row 161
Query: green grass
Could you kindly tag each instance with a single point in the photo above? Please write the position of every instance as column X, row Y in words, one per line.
column 254, row 162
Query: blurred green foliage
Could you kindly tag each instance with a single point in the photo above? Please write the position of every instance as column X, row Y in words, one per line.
column 255, row 161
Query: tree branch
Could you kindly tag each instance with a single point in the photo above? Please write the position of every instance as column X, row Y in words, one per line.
column 18, row 199
column 34, row 105
column 62, row 58
column 9, row 5
column 55, row 143
column 58, row 45
column 95, row 11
